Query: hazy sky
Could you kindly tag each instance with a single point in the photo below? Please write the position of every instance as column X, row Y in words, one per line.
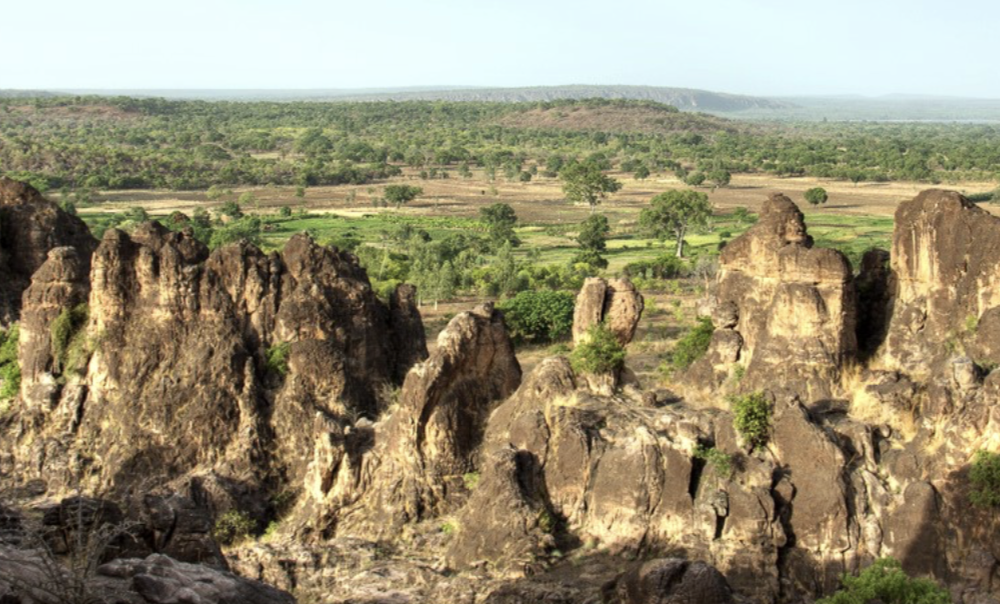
column 766, row 47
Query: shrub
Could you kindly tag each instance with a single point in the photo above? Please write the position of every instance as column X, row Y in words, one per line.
column 539, row 316
column 720, row 461
column 984, row 476
column 600, row 352
column 277, row 359
column 10, row 369
column 816, row 196
column 752, row 418
column 69, row 338
column 693, row 345
column 284, row 211
column 471, row 480
column 233, row 526
column 885, row 582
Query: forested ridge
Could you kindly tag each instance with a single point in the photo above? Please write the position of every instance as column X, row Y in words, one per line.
column 128, row 143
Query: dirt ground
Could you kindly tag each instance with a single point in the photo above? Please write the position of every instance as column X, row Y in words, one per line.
column 542, row 200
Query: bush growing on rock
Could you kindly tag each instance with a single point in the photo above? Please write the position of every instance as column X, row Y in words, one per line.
column 693, row 345
column 984, row 476
column 233, row 526
column 277, row 359
column 539, row 316
column 69, row 340
column 10, row 370
column 720, row 461
column 599, row 353
column 885, row 582
column 752, row 418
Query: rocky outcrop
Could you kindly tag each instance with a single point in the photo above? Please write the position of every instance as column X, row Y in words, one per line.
column 615, row 302
column 30, row 227
column 30, row 578
column 197, row 365
column 794, row 308
column 944, row 261
column 430, row 439
column 670, row 581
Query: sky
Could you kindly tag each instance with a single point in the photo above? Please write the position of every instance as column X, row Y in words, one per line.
column 759, row 47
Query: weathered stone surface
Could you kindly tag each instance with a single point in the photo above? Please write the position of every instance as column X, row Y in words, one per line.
column 176, row 383
column 421, row 451
column 616, row 302
column 946, row 271
column 506, row 522
column 671, row 581
column 31, row 226
column 795, row 307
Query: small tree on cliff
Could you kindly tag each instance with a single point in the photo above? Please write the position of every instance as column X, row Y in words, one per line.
column 585, row 182
column 673, row 213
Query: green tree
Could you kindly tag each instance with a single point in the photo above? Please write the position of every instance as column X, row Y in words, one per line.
column 397, row 195
column 720, row 178
column 539, row 316
column 673, row 213
column 641, row 172
column 816, row 195
column 593, row 238
column 232, row 209
column 695, row 179
column 885, row 582
column 586, row 183
column 499, row 220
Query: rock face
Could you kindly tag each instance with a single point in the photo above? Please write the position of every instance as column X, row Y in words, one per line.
column 946, row 269
column 429, row 441
column 31, row 226
column 794, row 306
column 198, row 364
column 671, row 581
column 156, row 579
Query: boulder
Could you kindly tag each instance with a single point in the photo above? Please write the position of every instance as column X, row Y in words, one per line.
column 670, row 581
column 616, row 303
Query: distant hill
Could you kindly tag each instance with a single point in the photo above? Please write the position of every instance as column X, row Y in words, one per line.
column 617, row 115
column 888, row 108
column 24, row 94
column 685, row 99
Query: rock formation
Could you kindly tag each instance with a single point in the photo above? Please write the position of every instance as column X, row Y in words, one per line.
column 615, row 303
column 31, row 226
column 786, row 310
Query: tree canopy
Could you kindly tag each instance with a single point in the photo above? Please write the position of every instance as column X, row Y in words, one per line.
column 816, row 196
column 400, row 194
column 499, row 220
column 593, row 241
column 673, row 213
column 584, row 182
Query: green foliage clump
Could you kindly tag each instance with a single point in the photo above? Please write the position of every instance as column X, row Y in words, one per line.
column 277, row 359
column 593, row 240
column 233, row 526
column 70, row 348
column 816, row 196
column 885, row 582
column 539, row 316
column 499, row 220
column 10, row 369
column 246, row 229
column 752, row 418
column 984, row 477
column 471, row 480
column 720, row 461
column 599, row 352
column 693, row 345
column 397, row 195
